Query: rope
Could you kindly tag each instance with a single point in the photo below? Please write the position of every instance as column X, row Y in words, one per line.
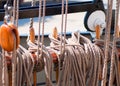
column 31, row 19
column 14, row 10
column 14, row 64
column 107, row 40
column 66, row 12
column 45, row 61
column 63, row 23
column 4, row 70
column 61, row 50
column 39, row 29
column 14, row 59
column 114, row 45
column 17, row 13
column 43, row 21
column 80, row 63
column 62, row 20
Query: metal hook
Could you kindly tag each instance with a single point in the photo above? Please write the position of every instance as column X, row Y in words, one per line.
column 8, row 12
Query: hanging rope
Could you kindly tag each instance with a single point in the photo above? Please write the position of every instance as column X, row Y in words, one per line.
column 63, row 27
column 43, row 21
column 65, row 24
column 14, row 59
column 112, row 66
column 31, row 37
column 61, row 49
column 31, row 19
column 39, row 29
column 17, row 13
column 62, row 21
column 107, row 41
column 14, row 11
column 4, row 70
column 43, row 61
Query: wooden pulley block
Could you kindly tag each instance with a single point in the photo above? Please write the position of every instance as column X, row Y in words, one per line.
column 9, row 36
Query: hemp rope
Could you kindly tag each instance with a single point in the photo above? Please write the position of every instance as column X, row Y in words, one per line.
column 107, row 40
column 46, row 60
column 114, row 45
column 4, row 70
column 77, row 68
column 14, row 59
column 39, row 29
column 83, row 60
column 63, row 23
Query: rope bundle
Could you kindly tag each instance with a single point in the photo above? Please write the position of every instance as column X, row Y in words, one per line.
column 82, row 61
column 24, row 67
column 45, row 60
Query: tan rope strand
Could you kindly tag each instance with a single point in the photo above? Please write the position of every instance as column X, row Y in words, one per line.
column 17, row 13
column 14, row 59
column 31, row 19
column 39, row 29
column 4, row 70
column 43, row 22
column 107, row 40
column 14, row 11
column 66, row 11
column 114, row 44
column 62, row 20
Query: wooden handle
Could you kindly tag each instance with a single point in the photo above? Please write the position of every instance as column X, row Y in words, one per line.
column 32, row 34
column 34, row 78
column 118, row 32
column 97, row 29
column 10, row 77
column 55, row 33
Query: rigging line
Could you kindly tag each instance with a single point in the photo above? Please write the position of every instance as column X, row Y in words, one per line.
column 66, row 12
column 14, row 59
column 114, row 44
column 14, row 11
column 4, row 70
column 61, row 37
column 43, row 22
column 17, row 13
column 39, row 29
column 31, row 19
column 62, row 20
column 4, row 64
column 107, row 40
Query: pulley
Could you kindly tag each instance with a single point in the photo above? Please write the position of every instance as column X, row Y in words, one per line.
column 8, row 36
column 94, row 18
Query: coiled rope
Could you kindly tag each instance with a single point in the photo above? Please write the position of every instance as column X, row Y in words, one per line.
column 80, row 63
